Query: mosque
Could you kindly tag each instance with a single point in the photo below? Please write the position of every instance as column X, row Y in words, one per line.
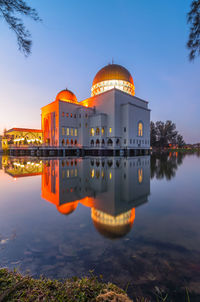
column 112, row 118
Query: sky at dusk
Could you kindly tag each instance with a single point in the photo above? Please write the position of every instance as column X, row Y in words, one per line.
column 77, row 38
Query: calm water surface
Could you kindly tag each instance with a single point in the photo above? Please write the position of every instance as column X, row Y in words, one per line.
column 134, row 220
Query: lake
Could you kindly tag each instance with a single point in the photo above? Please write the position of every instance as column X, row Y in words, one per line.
column 135, row 221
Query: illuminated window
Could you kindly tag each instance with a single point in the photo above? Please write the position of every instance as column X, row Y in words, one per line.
column 67, row 131
column 75, row 172
column 97, row 131
column 63, row 131
column 71, row 115
column 110, row 130
column 72, row 131
column 92, row 173
column 67, row 114
column 92, row 132
column 102, row 130
column 75, row 131
column 140, row 175
column 140, row 129
column 71, row 141
column 63, row 114
column 110, row 175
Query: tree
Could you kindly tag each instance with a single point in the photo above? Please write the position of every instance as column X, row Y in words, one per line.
column 165, row 132
column 180, row 141
column 193, row 18
column 10, row 11
column 153, row 133
column 162, row 134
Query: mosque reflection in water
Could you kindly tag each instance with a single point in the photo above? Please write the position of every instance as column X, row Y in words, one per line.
column 111, row 187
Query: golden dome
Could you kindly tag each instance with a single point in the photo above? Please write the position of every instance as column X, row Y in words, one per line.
column 113, row 76
column 113, row 72
column 67, row 208
column 66, row 95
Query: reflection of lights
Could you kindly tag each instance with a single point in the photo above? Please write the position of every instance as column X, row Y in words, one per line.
column 15, row 179
column 92, row 132
column 121, row 219
column 140, row 175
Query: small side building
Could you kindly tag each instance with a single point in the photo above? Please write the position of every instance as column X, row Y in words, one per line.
column 17, row 137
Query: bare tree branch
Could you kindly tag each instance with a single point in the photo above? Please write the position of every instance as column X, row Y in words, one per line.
column 193, row 18
column 8, row 11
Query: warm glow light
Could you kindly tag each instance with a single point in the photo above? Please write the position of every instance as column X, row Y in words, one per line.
column 110, row 175
column 140, row 175
column 104, row 218
column 92, row 173
column 92, row 132
column 140, row 129
column 107, row 85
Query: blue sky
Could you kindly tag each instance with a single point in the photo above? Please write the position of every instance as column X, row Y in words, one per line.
column 77, row 38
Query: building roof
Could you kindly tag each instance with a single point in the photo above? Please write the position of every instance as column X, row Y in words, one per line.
column 113, row 72
column 23, row 130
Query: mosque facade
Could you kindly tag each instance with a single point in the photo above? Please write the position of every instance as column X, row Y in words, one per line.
column 112, row 118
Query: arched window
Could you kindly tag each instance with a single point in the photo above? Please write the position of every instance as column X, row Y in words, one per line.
column 71, row 141
column 140, row 175
column 92, row 143
column 97, row 142
column 97, row 131
column 102, row 130
column 109, row 163
column 110, row 142
column 67, row 142
column 92, row 131
column 140, row 129
column 63, row 142
column 117, row 142
column 97, row 163
column 103, row 142
column 75, row 142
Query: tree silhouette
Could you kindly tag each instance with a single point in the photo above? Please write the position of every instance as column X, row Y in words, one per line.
column 10, row 11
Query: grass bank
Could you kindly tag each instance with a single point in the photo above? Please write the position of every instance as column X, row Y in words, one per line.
column 15, row 287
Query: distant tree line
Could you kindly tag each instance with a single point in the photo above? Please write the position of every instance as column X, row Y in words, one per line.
column 164, row 134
